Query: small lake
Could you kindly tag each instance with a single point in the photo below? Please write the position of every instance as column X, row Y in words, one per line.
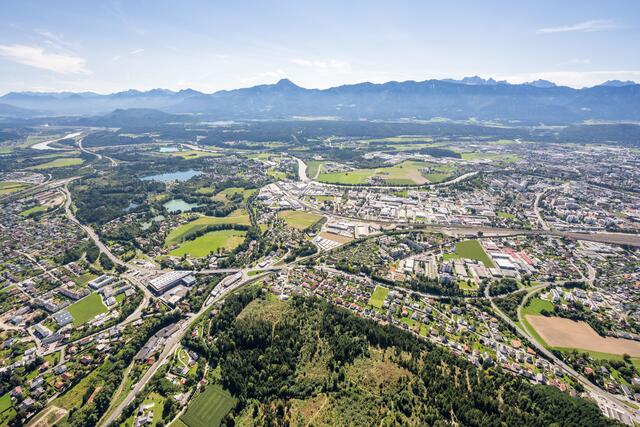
column 176, row 205
column 169, row 149
column 172, row 176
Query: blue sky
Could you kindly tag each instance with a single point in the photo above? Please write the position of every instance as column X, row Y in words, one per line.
column 108, row 46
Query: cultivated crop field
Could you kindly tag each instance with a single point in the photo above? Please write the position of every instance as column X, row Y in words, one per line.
column 60, row 163
column 86, row 309
column 210, row 242
column 208, row 408
column 7, row 187
column 567, row 333
column 299, row 219
column 471, row 249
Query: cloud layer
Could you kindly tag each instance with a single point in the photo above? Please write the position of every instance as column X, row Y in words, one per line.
column 582, row 27
column 35, row 56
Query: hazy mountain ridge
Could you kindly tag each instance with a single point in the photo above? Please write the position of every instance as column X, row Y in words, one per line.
column 538, row 101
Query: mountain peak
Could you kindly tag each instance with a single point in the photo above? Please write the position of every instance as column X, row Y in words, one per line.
column 541, row 83
column 286, row 83
column 476, row 81
column 618, row 83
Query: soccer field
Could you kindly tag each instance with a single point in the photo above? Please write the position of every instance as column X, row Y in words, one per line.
column 208, row 408
column 378, row 296
column 86, row 309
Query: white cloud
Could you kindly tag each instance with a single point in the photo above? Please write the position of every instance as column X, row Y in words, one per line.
column 332, row 65
column 583, row 27
column 35, row 56
column 262, row 77
column 116, row 58
column 136, row 51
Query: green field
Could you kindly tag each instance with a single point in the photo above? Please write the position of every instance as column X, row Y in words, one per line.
column 313, row 168
column 210, row 242
column 534, row 307
column 7, row 187
column 179, row 233
column 33, row 210
column 405, row 173
column 299, row 219
column 222, row 196
column 5, row 402
column 59, row 163
column 470, row 249
column 378, row 296
column 506, row 215
column 86, row 309
column 208, row 408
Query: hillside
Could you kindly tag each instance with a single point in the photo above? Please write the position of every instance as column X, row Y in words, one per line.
column 306, row 362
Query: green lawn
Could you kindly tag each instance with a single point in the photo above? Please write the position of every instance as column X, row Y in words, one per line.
column 177, row 234
column 506, row 215
column 7, row 187
column 378, row 296
column 405, row 173
column 470, row 249
column 210, row 242
column 86, row 309
column 222, row 196
column 299, row 219
column 59, row 163
column 208, row 408
column 5, row 402
column 33, row 210
column 535, row 306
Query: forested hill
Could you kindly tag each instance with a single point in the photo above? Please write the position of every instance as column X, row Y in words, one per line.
column 306, row 361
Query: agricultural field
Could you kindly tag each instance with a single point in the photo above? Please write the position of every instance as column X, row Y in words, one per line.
column 7, row 187
column 213, row 241
column 179, row 233
column 567, row 333
column 59, row 163
column 405, row 173
column 378, row 296
column 208, row 408
column 86, row 309
column 470, row 249
column 299, row 219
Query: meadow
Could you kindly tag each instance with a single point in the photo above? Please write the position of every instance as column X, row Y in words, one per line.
column 470, row 249
column 179, row 233
column 210, row 242
column 405, row 173
column 87, row 308
column 7, row 187
column 378, row 296
column 299, row 219
column 59, row 163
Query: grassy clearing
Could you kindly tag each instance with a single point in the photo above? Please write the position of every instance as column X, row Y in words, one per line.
column 299, row 219
column 535, row 306
column 600, row 356
column 86, row 309
column 191, row 154
column 225, row 194
column 314, row 168
column 5, row 402
column 34, row 210
column 378, row 296
column 279, row 175
column 179, row 233
column 7, row 187
column 208, row 408
column 506, row 215
column 470, row 249
column 405, row 173
column 59, row 163
column 213, row 241
column 72, row 398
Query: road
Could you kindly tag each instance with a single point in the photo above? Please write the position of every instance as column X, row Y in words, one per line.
column 593, row 389
column 44, row 145
column 171, row 346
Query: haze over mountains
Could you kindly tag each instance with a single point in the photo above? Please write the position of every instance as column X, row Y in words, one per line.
column 540, row 101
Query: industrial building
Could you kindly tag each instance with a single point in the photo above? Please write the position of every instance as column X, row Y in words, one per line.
column 168, row 280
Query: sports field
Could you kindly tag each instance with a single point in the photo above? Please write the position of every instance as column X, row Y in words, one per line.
column 405, row 173
column 86, row 309
column 567, row 333
column 299, row 219
column 59, row 163
column 378, row 296
column 210, row 242
column 208, row 408
column 470, row 249
column 178, row 233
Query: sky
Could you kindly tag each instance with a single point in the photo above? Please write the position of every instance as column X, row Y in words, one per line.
column 110, row 46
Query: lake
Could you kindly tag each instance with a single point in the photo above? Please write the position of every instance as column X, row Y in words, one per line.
column 172, row 176
column 176, row 205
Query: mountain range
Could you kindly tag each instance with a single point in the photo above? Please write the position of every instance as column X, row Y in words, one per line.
column 540, row 101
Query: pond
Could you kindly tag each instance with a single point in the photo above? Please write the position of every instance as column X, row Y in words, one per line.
column 176, row 205
column 172, row 176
